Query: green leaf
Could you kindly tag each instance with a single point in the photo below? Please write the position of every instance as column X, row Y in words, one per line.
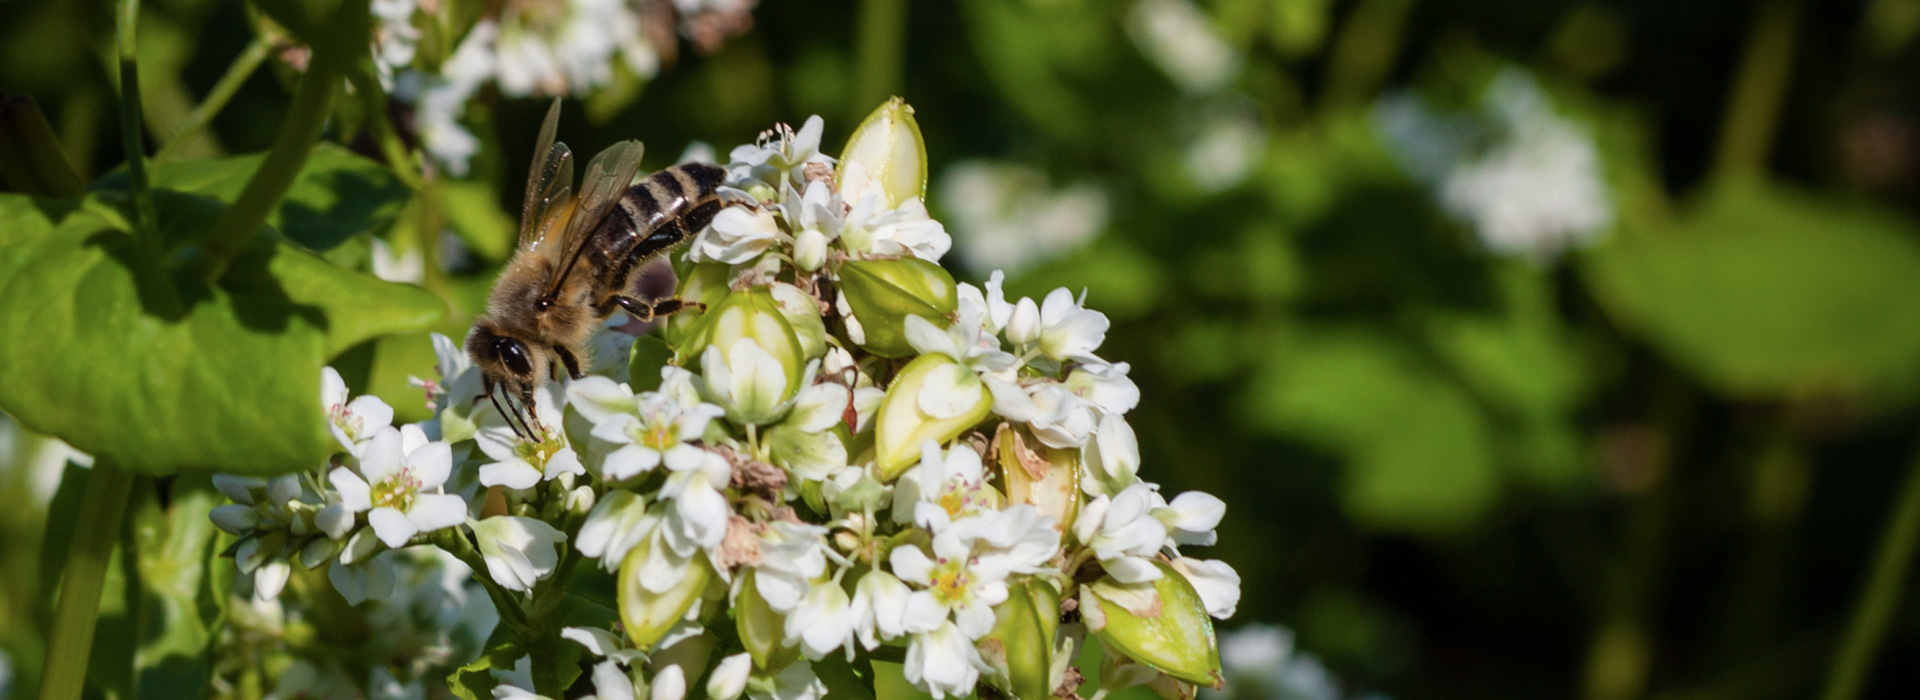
column 649, row 354
column 171, row 660
column 475, row 680
column 1765, row 291
column 159, row 373
column 1417, row 450
column 846, row 681
column 336, row 196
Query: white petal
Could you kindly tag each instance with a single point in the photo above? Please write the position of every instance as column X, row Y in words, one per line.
column 393, row 527
column 373, row 413
column 333, row 389
column 910, row 564
column 730, row 677
column 513, row 475
column 433, row 511
column 598, row 398
column 615, row 428
column 629, row 461
column 335, row 520
column 270, row 578
column 1216, row 582
column 949, row 391
column 354, row 492
column 669, row 684
column 430, row 463
column 381, row 458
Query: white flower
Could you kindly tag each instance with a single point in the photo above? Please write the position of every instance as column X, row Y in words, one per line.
column 518, row 551
column 959, row 580
column 879, row 607
column 943, row 487
column 1058, row 417
column 617, row 524
column 822, row 622
column 729, row 678
column 669, row 684
column 1111, row 460
column 521, row 463
column 738, row 234
column 1068, row 329
column 792, row 555
column 363, row 572
column 398, row 485
column 943, row 662
column 1191, row 517
column 1123, row 533
column 700, row 512
column 967, row 339
column 869, row 231
column 653, row 428
column 1216, row 582
column 393, row 266
column 780, row 157
column 1104, row 385
column 270, row 579
column 353, row 423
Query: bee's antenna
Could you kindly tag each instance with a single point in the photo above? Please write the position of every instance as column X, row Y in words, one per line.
column 495, row 397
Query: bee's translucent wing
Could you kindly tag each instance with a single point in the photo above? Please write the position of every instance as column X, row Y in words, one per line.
column 608, row 176
column 549, row 181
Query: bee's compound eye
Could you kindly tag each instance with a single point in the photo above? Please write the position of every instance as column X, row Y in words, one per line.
column 513, row 353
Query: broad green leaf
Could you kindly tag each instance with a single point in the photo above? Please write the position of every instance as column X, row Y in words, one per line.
column 336, row 196
column 844, row 680
column 1417, row 450
column 475, row 680
column 1766, row 291
column 161, row 373
column 649, row 354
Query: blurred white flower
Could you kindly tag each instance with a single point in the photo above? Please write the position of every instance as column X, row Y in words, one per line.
column 1068, row 329
column 1183, row 41
column 394, row 37
column 617, row 524
column 792, row 555
column 943, row 487
column 822, row 622
column 943, row 662
column 1006, row 217
column 1536, row 190
column 1226, row 147
column 393, row 266
column 729, row 678
column 1259, row 662
column 879, row 607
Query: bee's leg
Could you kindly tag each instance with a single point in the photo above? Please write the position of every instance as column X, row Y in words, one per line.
column 533, row 422
column 647, row 312
column 572, row 363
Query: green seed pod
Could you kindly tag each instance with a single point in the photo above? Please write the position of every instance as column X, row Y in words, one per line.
column 1020, row 648
column 905, row 422
column 1163, row 625
column 883, row 293
column 1035, row 474
column 803, row 315
column 703, row 282
column 886, row 155
column 760, row 628
column 648, row 615
column 747, row 314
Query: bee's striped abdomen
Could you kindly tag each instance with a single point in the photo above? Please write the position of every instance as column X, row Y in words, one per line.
column 662, row 211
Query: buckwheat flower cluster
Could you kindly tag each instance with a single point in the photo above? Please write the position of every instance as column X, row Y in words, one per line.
column 841, row 456
column 539, row 47
column 1528, row 180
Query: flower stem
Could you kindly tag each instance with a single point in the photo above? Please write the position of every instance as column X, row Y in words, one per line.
column 1879, row 595
column 145, row 219
column 1753, row 110
column 101, row 509
column 243, row 67
column 305, row 119
column 883, row 29
column 454, row 541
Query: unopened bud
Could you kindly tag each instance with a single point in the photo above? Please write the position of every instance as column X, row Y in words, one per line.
column 649, row 614
column 1019, row 650
column 883, row 293
column 809, row 250
column 1023, row 327
column 729, row 679
column 886, row 156
column 933, row 398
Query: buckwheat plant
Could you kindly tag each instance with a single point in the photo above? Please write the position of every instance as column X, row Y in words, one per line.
column 846, row 457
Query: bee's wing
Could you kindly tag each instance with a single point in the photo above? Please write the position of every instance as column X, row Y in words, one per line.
column 549, row 181
column 608, row 176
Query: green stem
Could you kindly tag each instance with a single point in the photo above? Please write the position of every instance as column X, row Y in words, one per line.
column 883, row 29
column 31, row 160
column 453, row 540
column 1879, row 595
column 305, row 119
column 146, row 220
column 101, row 509
column 1753, row 110
column 243, row 67
column 1365, row 52
column 373, row 100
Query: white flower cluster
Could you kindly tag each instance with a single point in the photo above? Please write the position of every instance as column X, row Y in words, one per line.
column 1261, row 662
column 1008, row 218
column 849, row 454
column 541, row 47
column 1535, row 189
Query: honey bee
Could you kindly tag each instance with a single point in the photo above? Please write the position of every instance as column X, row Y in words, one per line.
column 576, row 258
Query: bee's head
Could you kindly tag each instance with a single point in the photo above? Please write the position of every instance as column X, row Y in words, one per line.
column 505, row 360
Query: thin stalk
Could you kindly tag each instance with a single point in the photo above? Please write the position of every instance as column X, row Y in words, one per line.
column 374, row 102
column 883, row 30
column 305, row 119
column 1365, row 52
column 147, row 221
column 1753, row 110
column 101, row 509
column 242, row 68
column 1879, row 595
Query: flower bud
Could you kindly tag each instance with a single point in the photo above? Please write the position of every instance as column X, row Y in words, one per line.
column 234, row 518
column 1045, row 477
column 1112, row 457
column 883, row 293
column 1023, row 327
column 518, row 551
column 886, row 156
column 933, row 398
column 809, row 250
column 761, row 629
column 1019, row 650
column 730, row 677
column 669, row 684
column 647, row 614
column 580, row 500
column 702, row 282
column 1162, row 624
column 803, row 315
